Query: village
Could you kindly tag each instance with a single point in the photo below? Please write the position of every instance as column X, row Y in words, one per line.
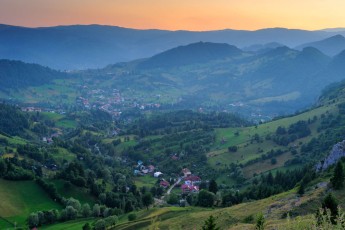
column 113, row 101
column 187, row 183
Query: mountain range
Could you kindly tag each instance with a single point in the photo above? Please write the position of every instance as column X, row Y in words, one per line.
column 276, row 80
column 95, row 46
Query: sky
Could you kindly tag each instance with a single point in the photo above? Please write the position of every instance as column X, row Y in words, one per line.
column 196, row 15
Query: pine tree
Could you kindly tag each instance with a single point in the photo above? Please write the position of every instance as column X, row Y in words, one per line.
column 332, row 204
column 210, row 224
column 213, row 187
column 301, row 189
column 338, row 176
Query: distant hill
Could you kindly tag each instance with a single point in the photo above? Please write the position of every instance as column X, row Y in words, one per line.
column 201, row 52
column 95, row 46
column 280, row 80
column 262, row 47
column 17, row 74
column 330, row 46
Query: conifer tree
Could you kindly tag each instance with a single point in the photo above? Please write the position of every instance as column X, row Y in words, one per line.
column 338, row 176
column 210, row 224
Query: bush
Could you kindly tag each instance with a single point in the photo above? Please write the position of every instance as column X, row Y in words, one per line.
column 132, row 217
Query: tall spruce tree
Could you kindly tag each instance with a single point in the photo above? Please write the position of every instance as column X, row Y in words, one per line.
column 213, row 187
column 338, row 176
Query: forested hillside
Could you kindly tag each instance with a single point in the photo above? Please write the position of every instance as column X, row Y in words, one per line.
column 18, row 75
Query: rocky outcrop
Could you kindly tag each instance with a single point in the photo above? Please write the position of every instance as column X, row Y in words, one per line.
column 337, row 152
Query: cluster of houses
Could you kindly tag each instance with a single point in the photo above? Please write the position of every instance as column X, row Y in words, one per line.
column 110, row 101
column 49, row 139
column 191, row 182
column 142, row 170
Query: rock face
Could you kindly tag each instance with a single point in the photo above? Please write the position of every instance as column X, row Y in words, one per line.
column 337, row 152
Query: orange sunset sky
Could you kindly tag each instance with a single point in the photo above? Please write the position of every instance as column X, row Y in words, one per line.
column 177, row 14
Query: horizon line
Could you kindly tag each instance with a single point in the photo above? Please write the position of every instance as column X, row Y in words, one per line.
column 177, row 30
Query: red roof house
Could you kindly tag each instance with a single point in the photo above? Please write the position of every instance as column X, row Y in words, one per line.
column 164, row 184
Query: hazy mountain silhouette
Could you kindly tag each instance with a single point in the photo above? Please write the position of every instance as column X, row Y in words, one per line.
column 330, row 46
column 201, row 52
column 94, row 46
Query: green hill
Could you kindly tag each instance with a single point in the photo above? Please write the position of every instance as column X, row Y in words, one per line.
column 195, row 53
column 20, row 198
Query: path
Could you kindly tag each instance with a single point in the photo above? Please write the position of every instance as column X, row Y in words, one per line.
column 172, row 186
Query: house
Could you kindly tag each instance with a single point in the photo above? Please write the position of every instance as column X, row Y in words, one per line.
column 145, row 171
column 189, row 188
column 157, row 174
column 192, row 180
column 141, row 167
column 186, row 172
column 137, row 172
column 140, row 162
column 151, row 168
column 164, row 184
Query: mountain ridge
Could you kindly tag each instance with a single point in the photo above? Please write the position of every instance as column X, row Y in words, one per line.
column 95, row 46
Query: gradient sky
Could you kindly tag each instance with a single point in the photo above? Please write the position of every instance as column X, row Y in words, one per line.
column 177, row 14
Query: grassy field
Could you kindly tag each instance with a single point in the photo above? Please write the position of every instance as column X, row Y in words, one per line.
column 20, row 198
column 61, row 121
column 70, row 225
column 249, row 149
column 63, row 154
column 147, row 181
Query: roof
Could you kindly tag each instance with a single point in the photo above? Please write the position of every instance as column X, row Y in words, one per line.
column 164, row 183
column 157, row 174
column 192, row 178
column 191, row 188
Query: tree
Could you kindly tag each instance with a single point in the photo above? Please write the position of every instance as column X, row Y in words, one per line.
column 111, row 221
column 260, row 221
column 96, row 211
column 3, row 167
column 232, row 148
column 332, row 204
column 71, row 213
column 205, row 198
column 86, row 210
column 301, row 189
column 74, row 203
column 147, row 200
column 33, row 220
column 338, row 176
column 100, row 225
column 132, row 217
column 87, row 226
column 172, row 199
column 273, row 161
column 213, row 187
column 210, row 224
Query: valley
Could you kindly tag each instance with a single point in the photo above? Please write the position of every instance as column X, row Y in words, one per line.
column 250, row 134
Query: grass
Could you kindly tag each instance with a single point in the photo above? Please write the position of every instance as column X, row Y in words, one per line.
column 70, row 225
column 20, row 198
column 63, row 154
column 147, row 181
column 249, row 149
column 67, row 124
column 227, row 218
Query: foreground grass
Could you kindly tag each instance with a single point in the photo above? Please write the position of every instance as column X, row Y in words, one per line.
column 20, row 198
